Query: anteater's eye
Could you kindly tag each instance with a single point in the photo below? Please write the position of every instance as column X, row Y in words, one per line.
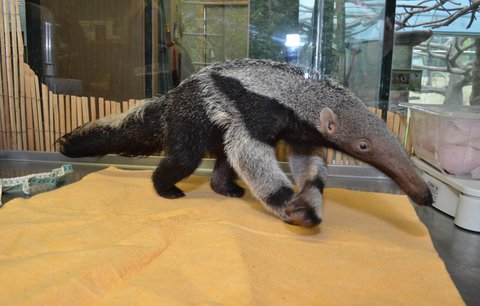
column 363, row 146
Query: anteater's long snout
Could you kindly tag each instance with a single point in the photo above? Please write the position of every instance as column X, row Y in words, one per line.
column 401, row 170
column 424, row 197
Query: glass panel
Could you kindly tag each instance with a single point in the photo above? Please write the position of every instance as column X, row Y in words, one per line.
column 125, row 50
column 348, row 47
column 79, row 44
column 212, row 32
column 363, row 30
column 191, row 37
column 436, row 54
column 445, row 62
column 270, row 22
column 227, row 32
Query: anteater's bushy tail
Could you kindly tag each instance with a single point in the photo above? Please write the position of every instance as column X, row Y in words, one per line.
column 138, row 132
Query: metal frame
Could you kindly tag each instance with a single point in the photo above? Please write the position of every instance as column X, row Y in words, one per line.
column 386, row 69
column 151, row 162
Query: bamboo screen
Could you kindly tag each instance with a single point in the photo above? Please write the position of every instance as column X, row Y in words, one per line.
column 32, row 117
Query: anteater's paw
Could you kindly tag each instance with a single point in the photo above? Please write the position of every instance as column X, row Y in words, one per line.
column 235, row 191
column 229, row 190
column 300, row 213
column 170, row 193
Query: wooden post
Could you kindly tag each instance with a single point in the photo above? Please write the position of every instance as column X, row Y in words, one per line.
column 40, row 131
column 51, row 121
column 93, row 109
column 5, row 106
column 131, row 103
column 62, row 116
column 108, row 108
column 29, row 112
column 85, row 111
column 78, row 102
column 68, row 113
column 101, row 107
column 9, row 69
column 56, row 120
column 73, row 106
column 46, row 117
column 17, row 93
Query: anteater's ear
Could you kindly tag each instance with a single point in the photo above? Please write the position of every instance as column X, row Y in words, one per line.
column 328, row 121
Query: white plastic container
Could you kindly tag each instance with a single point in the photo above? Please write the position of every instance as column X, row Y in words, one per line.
column 447, row 137
column 459, row 198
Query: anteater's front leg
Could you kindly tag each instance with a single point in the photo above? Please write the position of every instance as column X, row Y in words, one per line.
column 255, row 162
column 310, row 174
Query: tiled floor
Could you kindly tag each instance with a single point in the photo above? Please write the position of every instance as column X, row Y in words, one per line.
column 460, row 249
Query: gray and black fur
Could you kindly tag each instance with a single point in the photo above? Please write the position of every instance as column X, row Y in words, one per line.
column 238, row 110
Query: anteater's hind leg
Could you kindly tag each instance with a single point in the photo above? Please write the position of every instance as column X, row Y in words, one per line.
column 223, row 179
column 181, row 162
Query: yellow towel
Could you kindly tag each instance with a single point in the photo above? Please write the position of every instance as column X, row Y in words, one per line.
column 110, row 240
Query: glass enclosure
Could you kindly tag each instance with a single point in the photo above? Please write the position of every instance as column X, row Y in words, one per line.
column 132, row 49
column 67, row 62
column 122, row 50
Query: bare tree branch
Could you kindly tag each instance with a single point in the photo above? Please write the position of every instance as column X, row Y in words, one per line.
column 469, row 9
column 439, row 5
column 440, row 69
column 454, row 48
column 432, row 89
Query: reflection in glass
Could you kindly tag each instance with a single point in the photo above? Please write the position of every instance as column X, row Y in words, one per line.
column 441, row 41
column 123, row 50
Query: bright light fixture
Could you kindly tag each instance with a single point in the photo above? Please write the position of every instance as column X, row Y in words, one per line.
column 292, row 40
